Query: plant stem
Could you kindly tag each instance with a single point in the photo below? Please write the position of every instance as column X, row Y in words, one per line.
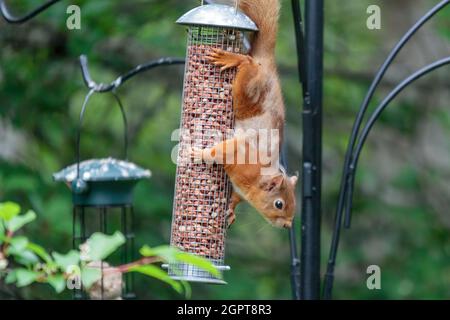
column 141, row 262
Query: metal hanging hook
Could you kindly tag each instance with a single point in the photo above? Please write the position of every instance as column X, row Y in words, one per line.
column 103, row 87
column 81, row 121
column 11, row 18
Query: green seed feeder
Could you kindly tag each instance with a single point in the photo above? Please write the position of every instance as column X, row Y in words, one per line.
column 102, row 196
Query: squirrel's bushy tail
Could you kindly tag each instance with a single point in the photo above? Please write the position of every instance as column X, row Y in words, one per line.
column 265, row 13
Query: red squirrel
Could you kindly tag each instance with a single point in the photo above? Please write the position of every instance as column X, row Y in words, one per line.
column 258, row 105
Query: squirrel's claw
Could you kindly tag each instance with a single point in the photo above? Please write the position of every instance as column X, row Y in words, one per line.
column 196, row 155
column 215, row 54
column 231, row 218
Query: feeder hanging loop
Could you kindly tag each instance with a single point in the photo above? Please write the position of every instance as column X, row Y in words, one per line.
column 85, row 72
column 80, row 124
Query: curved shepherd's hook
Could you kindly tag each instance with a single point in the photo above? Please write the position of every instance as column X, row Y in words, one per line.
column 383, row 105
column 369, row 96
column 10, row 18
column 346, row 189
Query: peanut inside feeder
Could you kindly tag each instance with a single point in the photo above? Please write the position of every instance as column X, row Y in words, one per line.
column 203, row 191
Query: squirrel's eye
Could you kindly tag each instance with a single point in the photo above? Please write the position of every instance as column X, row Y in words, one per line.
column 279, row 204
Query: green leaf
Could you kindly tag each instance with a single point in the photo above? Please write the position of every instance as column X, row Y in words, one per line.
column 11, row 277
column 197, row 261
column 89, row 276
column 159, row 274
column 18, row 243
column 9, row 210
column 173, row 255
column 25, row 277
column 2, row 232
column 18, row 249
column 18, row 222
column 101, row 245
column 187, row 289
column 146, row 251
column 57, row 282
column 167, row 253
column 40, row 251
column 26, row 258
column 64, row 261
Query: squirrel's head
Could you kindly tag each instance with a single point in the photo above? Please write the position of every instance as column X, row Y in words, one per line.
column 276, row 199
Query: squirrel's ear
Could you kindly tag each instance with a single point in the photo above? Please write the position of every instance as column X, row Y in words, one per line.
column 294, row 180
column 270, row 183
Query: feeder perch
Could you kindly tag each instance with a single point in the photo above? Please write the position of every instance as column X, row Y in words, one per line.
column 202, row 191
column 102, row 197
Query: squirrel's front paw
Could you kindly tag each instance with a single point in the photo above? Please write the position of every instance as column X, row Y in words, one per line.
column 202, row 155
column 196, row 155
column 224, row 59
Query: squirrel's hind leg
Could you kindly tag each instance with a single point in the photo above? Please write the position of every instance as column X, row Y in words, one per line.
column 231, row 216
column 250, row 83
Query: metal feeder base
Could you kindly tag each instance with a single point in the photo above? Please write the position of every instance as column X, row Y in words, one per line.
column 190, row 273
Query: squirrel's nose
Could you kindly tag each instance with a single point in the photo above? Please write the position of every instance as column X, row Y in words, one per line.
column 288, row 225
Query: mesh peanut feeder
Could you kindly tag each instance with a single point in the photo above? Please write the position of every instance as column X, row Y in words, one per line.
column 202, row 191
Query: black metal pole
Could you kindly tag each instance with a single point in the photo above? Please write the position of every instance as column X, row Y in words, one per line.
column 312, row 152
column 295, row 261
column 301, row 57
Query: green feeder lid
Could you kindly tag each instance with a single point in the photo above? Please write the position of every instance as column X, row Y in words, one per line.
column 102, row 182
column 103, row 170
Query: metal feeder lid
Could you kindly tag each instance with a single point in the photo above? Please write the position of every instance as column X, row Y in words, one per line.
column 218, row 15
column 103, row 170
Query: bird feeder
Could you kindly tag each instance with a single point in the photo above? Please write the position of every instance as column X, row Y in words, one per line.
column 102, row 196
column 203, row 191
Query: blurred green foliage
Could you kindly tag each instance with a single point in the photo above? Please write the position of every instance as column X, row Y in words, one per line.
column 396, row 225
column 23, row 263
